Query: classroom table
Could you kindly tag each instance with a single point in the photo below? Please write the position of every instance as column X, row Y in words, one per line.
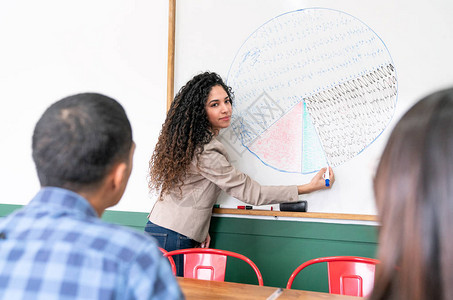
column 205, row 289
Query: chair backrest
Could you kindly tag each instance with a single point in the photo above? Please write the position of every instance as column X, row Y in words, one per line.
column 210, row 264
column 348, row 275
column 170, row 259
column 205, row 266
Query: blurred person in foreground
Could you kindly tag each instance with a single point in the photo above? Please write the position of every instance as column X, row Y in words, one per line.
column 414, row 196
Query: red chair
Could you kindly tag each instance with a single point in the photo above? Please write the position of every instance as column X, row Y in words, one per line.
column 348, row 275
column 210, row 264
column 170, row 259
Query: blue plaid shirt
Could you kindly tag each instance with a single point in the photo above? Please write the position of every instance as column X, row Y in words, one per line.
column 57, row 248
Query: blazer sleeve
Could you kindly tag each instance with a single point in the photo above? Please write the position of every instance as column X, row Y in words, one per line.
column 213, row 164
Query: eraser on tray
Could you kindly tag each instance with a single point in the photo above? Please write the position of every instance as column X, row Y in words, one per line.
column 294, row 206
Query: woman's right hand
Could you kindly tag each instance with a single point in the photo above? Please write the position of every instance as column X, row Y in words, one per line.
column 317, row 182
column 206, row 242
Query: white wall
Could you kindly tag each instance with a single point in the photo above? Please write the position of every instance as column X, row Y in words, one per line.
column 51, row 49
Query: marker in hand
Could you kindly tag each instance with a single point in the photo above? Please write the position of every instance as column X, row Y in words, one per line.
column 327, row 177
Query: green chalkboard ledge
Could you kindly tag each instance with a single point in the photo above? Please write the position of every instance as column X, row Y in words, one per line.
column 315, row 215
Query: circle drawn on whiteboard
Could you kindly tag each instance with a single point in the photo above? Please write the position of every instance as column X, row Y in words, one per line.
column 312, row 87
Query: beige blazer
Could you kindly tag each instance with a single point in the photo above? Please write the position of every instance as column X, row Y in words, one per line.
column 189, row 213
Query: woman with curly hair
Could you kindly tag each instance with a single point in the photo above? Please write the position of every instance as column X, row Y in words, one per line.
column 189, row 168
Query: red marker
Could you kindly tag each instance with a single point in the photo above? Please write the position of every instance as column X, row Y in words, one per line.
column 245, row 207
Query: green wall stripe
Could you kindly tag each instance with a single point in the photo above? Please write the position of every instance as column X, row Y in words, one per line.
column 6, row 209
column 126, row 218
column 296, row 229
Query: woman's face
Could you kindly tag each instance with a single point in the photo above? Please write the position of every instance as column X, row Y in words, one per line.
column 218, row 108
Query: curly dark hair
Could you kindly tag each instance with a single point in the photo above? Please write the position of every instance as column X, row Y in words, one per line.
column 185, row 131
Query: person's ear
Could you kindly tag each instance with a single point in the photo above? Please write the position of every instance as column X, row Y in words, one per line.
column 118, row 174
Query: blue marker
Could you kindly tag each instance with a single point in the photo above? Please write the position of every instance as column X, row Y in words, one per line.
column 327, row 177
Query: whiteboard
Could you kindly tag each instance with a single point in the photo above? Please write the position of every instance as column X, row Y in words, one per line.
column 233, row 38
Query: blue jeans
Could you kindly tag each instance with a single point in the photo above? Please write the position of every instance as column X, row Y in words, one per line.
column 171, row 240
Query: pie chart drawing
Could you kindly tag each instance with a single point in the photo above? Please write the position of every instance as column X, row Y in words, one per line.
column 312, row 87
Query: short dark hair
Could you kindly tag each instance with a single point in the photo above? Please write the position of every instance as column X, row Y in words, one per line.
column 78, row 139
